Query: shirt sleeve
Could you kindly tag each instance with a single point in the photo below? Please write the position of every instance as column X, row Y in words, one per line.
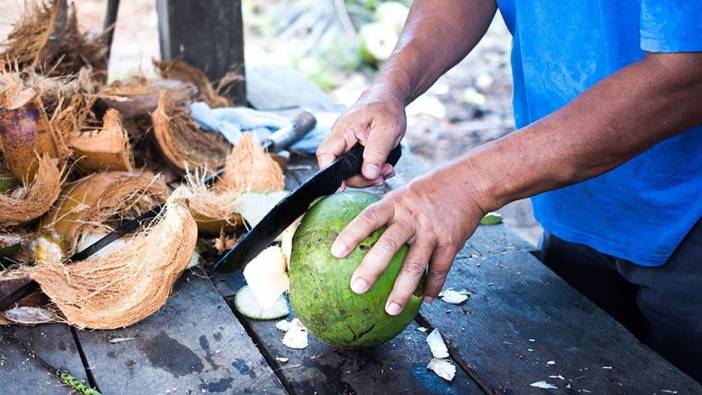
column 671, row 25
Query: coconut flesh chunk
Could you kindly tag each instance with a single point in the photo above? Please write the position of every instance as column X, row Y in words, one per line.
column 246, row 303
column 437, row 345
column 296, row 336
column 267, row 276
column 443, row 368
column 253, row 206
column 453, row 296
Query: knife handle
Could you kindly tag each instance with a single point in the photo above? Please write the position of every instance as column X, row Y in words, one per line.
column 353, row 159
column 291, row 133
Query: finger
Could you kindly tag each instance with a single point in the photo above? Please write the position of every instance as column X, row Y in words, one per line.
column 380, row 142
column 411, row 274
column 334, row 145
column 386, row 169
column 439, row 265
column 370, row 219
column 379, row 256
column 362, row 182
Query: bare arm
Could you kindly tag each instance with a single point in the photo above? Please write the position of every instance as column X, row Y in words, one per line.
column 618, row 118
column 437, row 35
column 610, row 123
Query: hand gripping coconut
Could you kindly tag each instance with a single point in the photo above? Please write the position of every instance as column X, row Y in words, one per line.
column 319, row 291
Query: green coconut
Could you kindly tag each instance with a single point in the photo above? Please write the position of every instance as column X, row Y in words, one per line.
column 320, row 294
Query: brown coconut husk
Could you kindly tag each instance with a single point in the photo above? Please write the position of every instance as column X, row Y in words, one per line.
column 33, row 199
column 180, row 140
column 138, row 96
column 179, row 70
column 248, row 168
column 48, row 38
column 213, row 211
column 128, row 285
column 97, row 202
column 103, row 149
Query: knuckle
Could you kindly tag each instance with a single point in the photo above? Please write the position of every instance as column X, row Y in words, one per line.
column 388, row 244
column 371, row 215
column 414, row 267
column 437, row 274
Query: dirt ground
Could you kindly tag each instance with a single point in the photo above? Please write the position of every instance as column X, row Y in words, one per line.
column 468, row 106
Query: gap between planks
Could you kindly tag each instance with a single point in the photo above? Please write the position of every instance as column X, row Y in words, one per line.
column 270, row 359
column 454, row 355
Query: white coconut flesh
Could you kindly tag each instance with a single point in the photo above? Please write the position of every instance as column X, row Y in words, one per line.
column 253, row 206
column 248, row 305
column 296, row 336
column 437, row 345
column 267, row 276
column 443, row 368
column 88, row 239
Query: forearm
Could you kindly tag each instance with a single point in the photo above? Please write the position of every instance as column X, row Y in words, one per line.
column 437, row 35
column 610, row 123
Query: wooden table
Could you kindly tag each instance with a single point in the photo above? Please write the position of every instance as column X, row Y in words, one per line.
column 521, row 325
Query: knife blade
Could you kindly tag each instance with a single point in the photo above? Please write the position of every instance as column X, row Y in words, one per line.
column 324, row 182
column 277, row 141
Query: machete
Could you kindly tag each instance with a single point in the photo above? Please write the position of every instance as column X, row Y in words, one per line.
column 322, row 183
column 279, row 140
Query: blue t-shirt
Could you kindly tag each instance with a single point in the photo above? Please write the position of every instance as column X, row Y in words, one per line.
column 641, row 210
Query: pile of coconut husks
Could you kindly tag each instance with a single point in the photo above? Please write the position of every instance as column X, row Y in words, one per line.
column 81, row 156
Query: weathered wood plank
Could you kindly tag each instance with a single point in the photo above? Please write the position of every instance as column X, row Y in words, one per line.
column 207, row 34
column 397, row 367
column 20, row 374
column 521, row 316
column 273, row 88
column 193, row 345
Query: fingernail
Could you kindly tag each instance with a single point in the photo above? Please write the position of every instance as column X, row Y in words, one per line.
column 393, row 308
column 359, row 286
column 338, row 250
column 370, row 171
column 428, row 299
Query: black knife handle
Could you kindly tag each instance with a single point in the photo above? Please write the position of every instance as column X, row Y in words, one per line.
column 353, row 159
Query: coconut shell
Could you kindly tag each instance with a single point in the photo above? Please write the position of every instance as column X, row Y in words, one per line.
column 179, row 70
column 34, row 199
column 127, row 285
column 139, row 96
column 89, row 203
column 25, row 134
column 180, row 140
column 104, row 149
column 214, row 212
column 250, row 168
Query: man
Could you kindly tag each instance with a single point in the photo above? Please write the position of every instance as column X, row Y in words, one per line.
column 608, row 102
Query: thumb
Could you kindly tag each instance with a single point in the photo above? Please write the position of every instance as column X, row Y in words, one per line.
column 375, row 153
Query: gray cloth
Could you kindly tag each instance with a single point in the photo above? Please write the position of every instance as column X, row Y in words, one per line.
column 661, row 305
